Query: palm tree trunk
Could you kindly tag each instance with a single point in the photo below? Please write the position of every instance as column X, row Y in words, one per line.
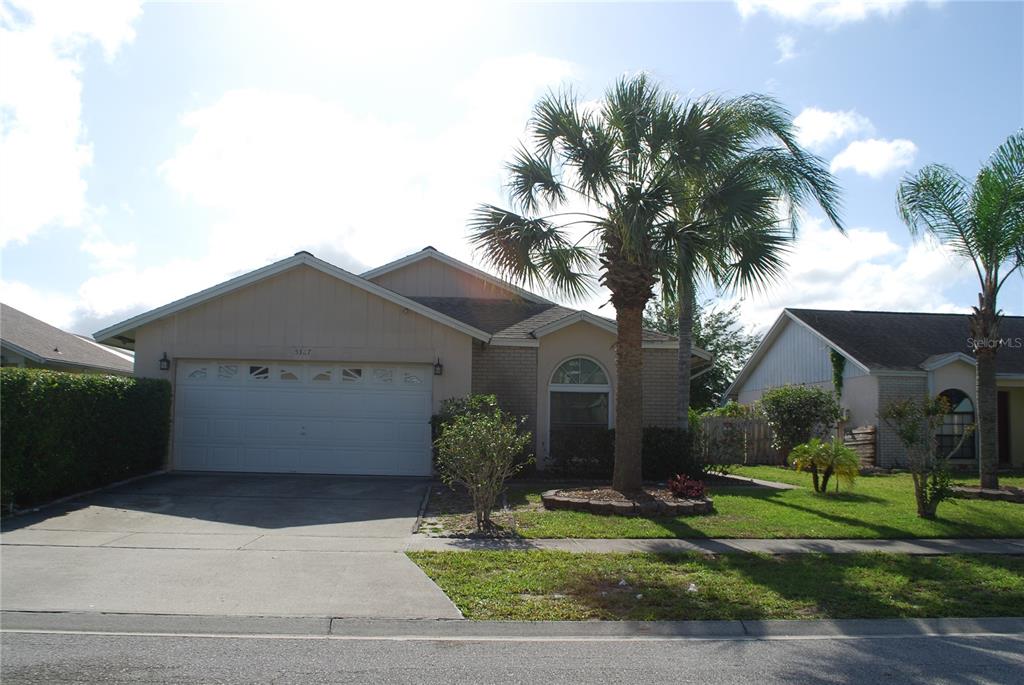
column 685, row 306
column 628, row 473
column 985, row 328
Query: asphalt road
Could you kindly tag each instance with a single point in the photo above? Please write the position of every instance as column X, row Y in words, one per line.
column 125, row 658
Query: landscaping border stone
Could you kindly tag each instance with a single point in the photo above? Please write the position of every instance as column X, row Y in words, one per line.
column 680, row 507
column 1003, row 494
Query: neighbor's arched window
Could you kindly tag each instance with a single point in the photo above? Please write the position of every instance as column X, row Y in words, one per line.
column 954, row 423
column 580, row 395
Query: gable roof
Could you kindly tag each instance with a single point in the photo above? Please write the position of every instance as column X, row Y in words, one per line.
column 513, row 322
column 497, row 321
column 45, row 344
column 431, row 253
column 904, row 341
column 878, row 342
column 120, row 334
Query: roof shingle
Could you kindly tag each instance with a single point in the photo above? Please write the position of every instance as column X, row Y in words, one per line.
column 49, row 344
column 903, row 341
column 510, row 319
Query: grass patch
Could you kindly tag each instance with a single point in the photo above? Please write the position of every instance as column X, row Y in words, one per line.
column 877, row 507
column 567, row 586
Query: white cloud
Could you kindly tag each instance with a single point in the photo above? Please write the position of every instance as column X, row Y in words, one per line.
column 786, row 45
column 822, row 12
column 875, row 157
column 817, row 128
column 43, row 146
column 53, row 307
column 864, row 270
column 286, row 171
column 291, row 171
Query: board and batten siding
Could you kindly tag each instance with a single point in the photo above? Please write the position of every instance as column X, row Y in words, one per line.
column 306, row 315
column 433, row 278
column 797, row 357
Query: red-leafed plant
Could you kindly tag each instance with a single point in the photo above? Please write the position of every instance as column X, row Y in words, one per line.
column 684, row 487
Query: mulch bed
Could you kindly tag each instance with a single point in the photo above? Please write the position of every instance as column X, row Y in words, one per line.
column 1006, row 493
column 649, row 501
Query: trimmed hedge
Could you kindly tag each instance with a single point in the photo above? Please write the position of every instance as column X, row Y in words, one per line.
column 62, row 433
column 590, row 453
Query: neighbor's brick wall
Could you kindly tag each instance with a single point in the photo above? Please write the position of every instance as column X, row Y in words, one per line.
column 890, row 452
column 510, row 373
column 660, row 387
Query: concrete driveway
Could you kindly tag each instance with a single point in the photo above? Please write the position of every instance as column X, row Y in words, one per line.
column 220, row 544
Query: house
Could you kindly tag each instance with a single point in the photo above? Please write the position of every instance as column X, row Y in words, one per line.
column 28, row 342
column 891, row 355
column 301, row 366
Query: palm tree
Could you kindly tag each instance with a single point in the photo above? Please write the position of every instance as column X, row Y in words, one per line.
column 983, row 223
column 738, row 163
column 605, row 172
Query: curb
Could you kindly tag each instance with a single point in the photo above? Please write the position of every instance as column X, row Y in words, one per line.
column 453, row 629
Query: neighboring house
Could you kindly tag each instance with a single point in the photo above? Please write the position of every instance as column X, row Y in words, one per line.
column 887, row 356
column 304, row 367
column 30, row 343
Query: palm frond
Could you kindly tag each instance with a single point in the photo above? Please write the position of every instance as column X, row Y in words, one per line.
column 556, row 119
column 936, row 200
column 534, row 252
column 760, row 259
column 532, row 182
column 997, row 203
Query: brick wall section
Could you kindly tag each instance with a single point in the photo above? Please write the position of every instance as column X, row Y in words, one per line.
column 890, row 452
column 660, row 387
column 510, row 373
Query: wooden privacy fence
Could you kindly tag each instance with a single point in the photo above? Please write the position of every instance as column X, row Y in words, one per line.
column 729, row 440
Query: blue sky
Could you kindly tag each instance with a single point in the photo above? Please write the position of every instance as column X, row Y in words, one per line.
column 148, row 151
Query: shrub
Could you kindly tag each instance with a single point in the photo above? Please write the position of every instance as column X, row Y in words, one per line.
column 917, row 423
column 797, row 413
column 686, row 488
column 590, row 453
column 63, row 433
column 479, row 450
column 582, row 452
column 828, row 459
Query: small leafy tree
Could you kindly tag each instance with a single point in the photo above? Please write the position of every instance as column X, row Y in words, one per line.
column 828, row 459
column 917, row 423
column 797, row 413
column 479, row 449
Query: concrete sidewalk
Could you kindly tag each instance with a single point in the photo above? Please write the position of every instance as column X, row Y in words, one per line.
column 415, row 543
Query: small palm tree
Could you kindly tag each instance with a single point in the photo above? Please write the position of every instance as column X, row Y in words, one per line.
column 739, row 162
column 982, row 222
column 605, row 172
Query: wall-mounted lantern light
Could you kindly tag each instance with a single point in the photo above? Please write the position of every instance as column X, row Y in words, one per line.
column 165, row 363
column 438, row 368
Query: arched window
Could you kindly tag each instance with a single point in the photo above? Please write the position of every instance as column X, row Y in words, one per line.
column 954, row 423
column 580, row 394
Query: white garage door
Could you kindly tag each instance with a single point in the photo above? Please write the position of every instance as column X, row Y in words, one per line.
column 303, row 417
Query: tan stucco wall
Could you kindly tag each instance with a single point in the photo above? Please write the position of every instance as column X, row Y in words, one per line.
column 578, row 340
column 860, row 398
column 431, row 278
column 306, row 315
column 956, row 375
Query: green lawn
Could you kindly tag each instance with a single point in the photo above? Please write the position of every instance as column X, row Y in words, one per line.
column 540, row 586
column 879, row 506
